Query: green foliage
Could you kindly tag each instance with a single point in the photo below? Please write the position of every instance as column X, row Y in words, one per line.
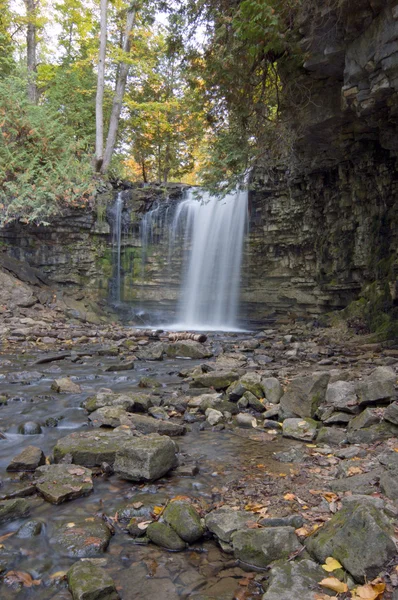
column 42, row 166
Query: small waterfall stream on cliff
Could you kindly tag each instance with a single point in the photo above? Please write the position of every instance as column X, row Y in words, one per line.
column 116, row 248
column 210, row 233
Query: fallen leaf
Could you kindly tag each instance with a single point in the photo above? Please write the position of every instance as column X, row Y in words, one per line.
column 70, row 525
column 58, row 575
column 289, row 497
column 13, row 577
column 92, row 541
column 369, row 591
column 331, row 564
column 354, row 471
column 7, row 535
column 157, row 510
column 332, row 583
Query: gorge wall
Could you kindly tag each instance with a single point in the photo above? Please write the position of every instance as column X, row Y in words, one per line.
column 323, row 229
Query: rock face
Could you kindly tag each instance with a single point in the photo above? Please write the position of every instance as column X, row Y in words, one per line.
column 146, row 458
column 359, row 536
column 87, row 581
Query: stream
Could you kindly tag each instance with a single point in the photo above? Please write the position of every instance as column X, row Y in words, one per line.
column 140, row 572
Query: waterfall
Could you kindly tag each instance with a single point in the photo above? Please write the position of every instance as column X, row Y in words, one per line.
column 214, row 231
column 116, row 247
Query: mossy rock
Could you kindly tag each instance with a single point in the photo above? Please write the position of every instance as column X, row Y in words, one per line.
column 184, row 519
column 163, row 535
column 87, row 581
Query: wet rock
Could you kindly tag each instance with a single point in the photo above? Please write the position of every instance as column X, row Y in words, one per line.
column 92, row 448
column 273, row 390
column 272, row 413
column 295, row 455
column 154, row 351
column 30, row 529
column 188, row 349
column 363, row 483
column 223, row 522
column 10, row 510
column 110, row 416
column 146, row 458
column 81, row 538
column 389, row 485
column 163, row 535
column 213, row 416
column 269, row 424
column 333, row 436
column 219, row 380
column 142, row 403
column 24, row 377
column 88, row 581
column 30, row 428
column 127, row 365
column 295, row 580
column 252, row 383
column 337, row 418
column 158, row 412
column 125, row 401
column 65, row 385
column 374, row 433
column 260, row 547
column 377, row 387
column 58, row 483
column 235, row 391
column 185, row 520
column 254, row 402
column 140, row 507
column 29, row 459
column 305, row 394
column 391, row 413
column 300, row 429
column 341, row 396
column 146, row 425
column 245, row 420
column 149, row 382
column 359, row 537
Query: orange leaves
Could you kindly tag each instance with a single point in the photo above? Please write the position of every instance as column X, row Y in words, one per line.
column 20, row 577
column 369, row 591
column 334, row 584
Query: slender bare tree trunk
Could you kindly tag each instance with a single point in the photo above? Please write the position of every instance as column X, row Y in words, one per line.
column 123, row 72
column 31, row 43
column 99, row 101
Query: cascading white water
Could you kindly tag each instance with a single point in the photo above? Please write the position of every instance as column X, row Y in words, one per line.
column 214, row 231
column 116, row 246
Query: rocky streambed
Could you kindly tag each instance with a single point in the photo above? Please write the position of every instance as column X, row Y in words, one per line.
column 134, row 466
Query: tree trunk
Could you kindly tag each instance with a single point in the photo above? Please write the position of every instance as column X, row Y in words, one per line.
column 99, row 101
column 123, row 72
column 31, row 44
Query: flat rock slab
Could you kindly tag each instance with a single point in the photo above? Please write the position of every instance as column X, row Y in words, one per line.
column 10, row 510
column 65, row 385
column 81, row 539
column 359, row 536
column 125, row 401
column 300, row 429
column 219, row 380
column 298, row 580
column 88, row 581
column 146, row 458
column 223, row 522
column 92, row 448
column 110, row 416
column 188, row 349
column 58, row 483
column 260, row 547
column 146, row 425
column 29, row 459
column 364, row 483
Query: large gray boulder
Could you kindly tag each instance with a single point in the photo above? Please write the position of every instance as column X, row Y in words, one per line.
column 300, row 429
column 92, row 448
column 273, row 390
column 188, row 349
column 88, row 581
column 342, row 396
column 146, row 458
column 219, row 380
column 108, row 398
column 223, row 522
column 305, row 394
column 261, row 547
column 359, row 537
column 391, row 413
column 377, row 387
column 295, row 580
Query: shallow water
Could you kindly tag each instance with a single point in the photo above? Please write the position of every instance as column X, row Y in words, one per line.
column 142, row 572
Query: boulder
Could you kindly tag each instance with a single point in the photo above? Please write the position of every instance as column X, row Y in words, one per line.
column 219, row 380
column 30, row 428
column 29, row 459
column 81, row 538
column 252, row 383
column 363, row 483
column 374, row 433
column 341, row 396
column 300, row 429
column 125, row 401
column 254, row 402
column 58, row 483
column 235, row 391
column 30, row 529
column 110, row 416
column 391, row 413
column 145, row 424
column 153, row 351
column 92, row 448
column 359, row 537
column 261, row 547
column 146, row 458
column 245, row 420
column 305, row 394
column 377, row 387
column 163, row 535
column 366, row 418
column 65, row 385
column 185, row 520
column 188, row 349
column 11, row 510
column 213, row 416
column 88, row 581
column 298, row 580
column 224, row 521
column 273, row 390
column 333, row 436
